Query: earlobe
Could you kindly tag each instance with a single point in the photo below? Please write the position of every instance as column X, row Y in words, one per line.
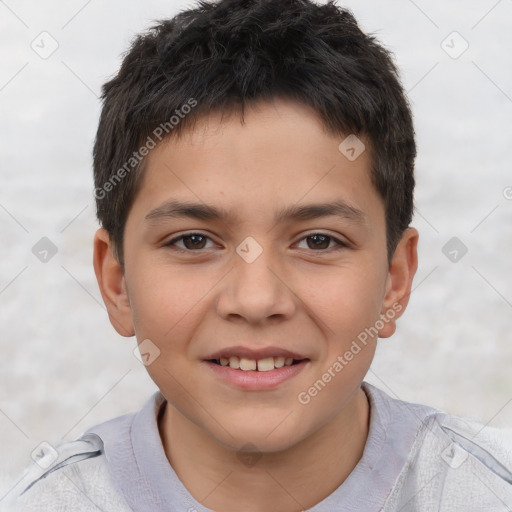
column 399, row 281
column 112, row 284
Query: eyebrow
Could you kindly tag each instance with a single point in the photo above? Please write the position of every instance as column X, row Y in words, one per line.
column 201, row 211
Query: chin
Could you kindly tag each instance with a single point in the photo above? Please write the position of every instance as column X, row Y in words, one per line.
column 264, row 437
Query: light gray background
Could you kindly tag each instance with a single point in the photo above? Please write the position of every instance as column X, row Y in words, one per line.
column 64, row 368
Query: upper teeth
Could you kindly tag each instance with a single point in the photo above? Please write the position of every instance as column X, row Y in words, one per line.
column 263, row 365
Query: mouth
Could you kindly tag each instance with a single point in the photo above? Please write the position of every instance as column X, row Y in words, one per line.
column 260, row 372
column 256, row 368
column 256, row 365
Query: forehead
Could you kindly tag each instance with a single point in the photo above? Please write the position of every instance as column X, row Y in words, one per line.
column 279, row 158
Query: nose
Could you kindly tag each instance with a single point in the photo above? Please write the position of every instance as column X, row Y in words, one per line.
column 257, row 291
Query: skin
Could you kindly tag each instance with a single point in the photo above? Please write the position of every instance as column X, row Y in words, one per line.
column 294, row 295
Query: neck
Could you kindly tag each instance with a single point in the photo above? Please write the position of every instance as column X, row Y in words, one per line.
column 289, row 481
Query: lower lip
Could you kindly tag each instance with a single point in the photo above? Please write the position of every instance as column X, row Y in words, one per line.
column 254, row 380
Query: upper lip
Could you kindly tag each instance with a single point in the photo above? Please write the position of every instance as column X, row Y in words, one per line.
column 254, row 353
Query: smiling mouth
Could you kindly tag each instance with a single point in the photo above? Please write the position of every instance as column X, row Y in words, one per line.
column 259, row 365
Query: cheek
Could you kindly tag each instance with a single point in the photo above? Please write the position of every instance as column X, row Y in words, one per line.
column 164, row 301
column 346, row 301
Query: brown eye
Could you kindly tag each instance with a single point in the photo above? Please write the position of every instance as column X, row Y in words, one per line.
column 194, row 241
column 322, row 242
column 318, row 241
column 190, row 242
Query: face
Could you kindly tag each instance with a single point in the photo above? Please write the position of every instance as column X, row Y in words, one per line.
column 261, row 243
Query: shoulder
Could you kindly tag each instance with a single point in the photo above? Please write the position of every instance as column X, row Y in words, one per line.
column 73, row 475
column 491, row 445
column 456, row 464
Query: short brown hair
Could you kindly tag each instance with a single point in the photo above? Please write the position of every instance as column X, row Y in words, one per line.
column 222, row 55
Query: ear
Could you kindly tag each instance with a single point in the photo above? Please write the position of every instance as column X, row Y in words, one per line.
column 399, row 281
column 112, row 284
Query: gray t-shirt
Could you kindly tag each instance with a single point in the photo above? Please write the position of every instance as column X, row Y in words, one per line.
column 143, row 475
column 416, row 459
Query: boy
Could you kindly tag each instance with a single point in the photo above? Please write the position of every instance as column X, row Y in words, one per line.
column 254, row 183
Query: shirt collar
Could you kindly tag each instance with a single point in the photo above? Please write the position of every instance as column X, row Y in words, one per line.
column 143, row 475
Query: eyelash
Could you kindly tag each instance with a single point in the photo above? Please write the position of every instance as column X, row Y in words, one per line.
column 340, row 244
